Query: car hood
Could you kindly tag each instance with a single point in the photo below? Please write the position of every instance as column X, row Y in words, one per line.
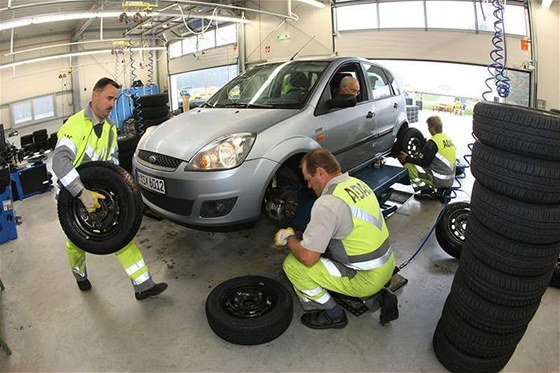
column 184, row 135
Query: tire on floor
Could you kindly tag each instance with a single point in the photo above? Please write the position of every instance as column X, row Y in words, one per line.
column 249, row 310
column 451, row 228
column 115, row 223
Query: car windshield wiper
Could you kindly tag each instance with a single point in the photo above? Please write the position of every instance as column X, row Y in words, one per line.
column 206, row 104
column 247, row 105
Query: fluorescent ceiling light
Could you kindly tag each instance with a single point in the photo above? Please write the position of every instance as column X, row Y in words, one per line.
column 314, row 3
column 226, row 19
column 546, row 3
column 56, row 17
column 75, row 54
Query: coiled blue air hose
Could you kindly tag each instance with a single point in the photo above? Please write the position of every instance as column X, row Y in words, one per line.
column 498, row 56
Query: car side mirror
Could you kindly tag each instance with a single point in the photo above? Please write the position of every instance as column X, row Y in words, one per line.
column 341, row 102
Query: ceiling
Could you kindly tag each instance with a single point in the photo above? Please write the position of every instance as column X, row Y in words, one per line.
column 164, row 20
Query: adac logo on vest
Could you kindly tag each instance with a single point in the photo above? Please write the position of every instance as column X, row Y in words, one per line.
column 448, row 143
column 358, row 191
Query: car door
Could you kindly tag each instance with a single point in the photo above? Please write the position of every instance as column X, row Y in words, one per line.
column 386, row 106
column 347, row 131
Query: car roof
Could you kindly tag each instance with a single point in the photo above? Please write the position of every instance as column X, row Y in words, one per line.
column 316, row 58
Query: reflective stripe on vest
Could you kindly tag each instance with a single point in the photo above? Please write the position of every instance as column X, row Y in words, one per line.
column 367, row 246
column 87, row 146
column 443, row 165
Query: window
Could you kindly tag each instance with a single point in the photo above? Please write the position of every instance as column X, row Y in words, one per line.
column 223, row 35
column 33, row 110
column 401, row 14
column 226, row 35
column 513, row 16
column 447, row 14
column 200, row 85
column 450, row 14
column 378, row 82
column 356, row 17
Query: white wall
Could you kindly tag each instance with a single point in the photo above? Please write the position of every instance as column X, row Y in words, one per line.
column 37, row 79
column 547, row 26
column 311, row 33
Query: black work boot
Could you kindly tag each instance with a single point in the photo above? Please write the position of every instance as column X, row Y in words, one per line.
column 321, row 320
column 84, row 285
column 389, row 307
column 151, row 292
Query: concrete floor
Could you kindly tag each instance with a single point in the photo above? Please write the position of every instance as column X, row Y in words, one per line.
column 51, row 326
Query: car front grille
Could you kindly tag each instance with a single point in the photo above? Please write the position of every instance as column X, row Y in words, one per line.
column 174, row 205
column 161, row 160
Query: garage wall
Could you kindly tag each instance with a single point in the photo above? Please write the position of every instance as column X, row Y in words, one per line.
column 433, row 45
column 547, row 26
column 37, row 79
column 269, row 37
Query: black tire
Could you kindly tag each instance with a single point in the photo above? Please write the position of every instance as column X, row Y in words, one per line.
column 158, row 99
column 115, row 223
column 518, row 129
column 151, row 112
column 410, row 141
column 506, row 255
column 555, row 280
column 450, row 230
column 128, row 143
column 474, row 341
column 455, row 360
column 249, row 310
column 486, row 314
column 519, row 177
column 520, row 221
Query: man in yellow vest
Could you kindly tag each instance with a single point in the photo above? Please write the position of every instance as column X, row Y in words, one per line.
column 437, row 158
column 89, row 136
column 345, row 247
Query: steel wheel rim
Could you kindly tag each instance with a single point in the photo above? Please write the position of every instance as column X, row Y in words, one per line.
column 248, row 301
column 458, row 224
column 100, row 224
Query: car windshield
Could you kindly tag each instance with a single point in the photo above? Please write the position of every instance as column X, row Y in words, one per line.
column 281, row 85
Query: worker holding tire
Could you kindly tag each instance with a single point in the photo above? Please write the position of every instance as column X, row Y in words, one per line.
column 345, row 247
column 89, row 136
column 437, row 158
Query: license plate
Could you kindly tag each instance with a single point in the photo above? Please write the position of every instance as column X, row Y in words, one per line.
column 152, row 183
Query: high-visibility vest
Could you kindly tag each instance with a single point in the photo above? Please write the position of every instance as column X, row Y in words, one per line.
column 367, row 246
column 443, row 165
column 78, row 134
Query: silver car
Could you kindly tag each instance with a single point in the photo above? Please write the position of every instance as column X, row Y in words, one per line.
column 221, row 165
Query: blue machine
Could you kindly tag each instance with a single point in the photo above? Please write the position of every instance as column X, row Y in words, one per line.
column 7, row 217
column 125, row 103
column 30, row 180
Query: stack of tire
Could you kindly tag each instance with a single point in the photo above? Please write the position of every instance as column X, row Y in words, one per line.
column 150, row 111
column 412, row 113
column 127, row 147
column 41, row 140
column 512, row 238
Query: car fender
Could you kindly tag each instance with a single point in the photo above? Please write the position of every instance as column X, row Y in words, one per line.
column 285, row 150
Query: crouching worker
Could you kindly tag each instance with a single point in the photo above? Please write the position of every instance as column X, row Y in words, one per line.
column 345, row 247
column 437, row 158
column 89, row 136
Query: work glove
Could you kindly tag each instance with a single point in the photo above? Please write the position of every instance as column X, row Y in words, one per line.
column 90, row 199
column 281, row 237
column 402, row 157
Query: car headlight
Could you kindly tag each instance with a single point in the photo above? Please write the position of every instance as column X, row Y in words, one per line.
column 223, row 153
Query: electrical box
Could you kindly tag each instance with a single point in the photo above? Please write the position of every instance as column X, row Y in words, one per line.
column 7, row 217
